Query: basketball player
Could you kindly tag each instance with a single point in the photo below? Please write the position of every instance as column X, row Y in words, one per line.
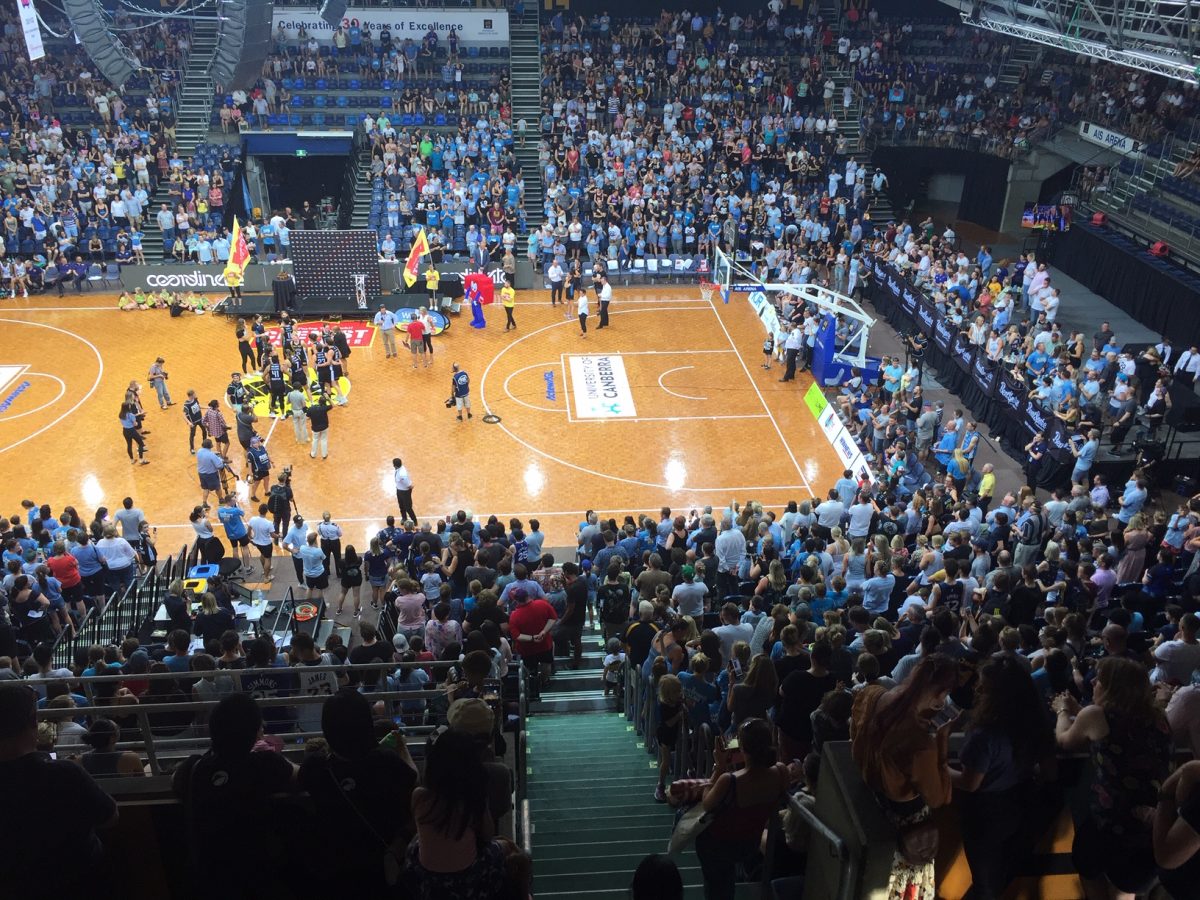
column 287, row 331
column 194, row 414
column 298, row 364
column 322, row 361
column 273, row 375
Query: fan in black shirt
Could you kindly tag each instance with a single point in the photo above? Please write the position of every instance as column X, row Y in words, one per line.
column 52, row 797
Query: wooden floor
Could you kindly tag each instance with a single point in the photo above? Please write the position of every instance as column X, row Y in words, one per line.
column 698, row 422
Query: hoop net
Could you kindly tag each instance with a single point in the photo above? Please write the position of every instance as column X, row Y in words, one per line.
column 707, row 289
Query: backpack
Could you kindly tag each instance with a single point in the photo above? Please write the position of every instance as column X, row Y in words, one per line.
column 277, row 501
column 614, row 608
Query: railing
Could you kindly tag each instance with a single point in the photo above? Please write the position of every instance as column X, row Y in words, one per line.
column 162, row 744
column 122, row 614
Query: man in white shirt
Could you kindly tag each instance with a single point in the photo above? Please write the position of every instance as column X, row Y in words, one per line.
column 860, row 518
column 555, row 275
column 604, row 293
column 829, row 516
column 385, row 321
column 1188, row 366
column 404, row 489
column 730, row 550
column 1178, row 659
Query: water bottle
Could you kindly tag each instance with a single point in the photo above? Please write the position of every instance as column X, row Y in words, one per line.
column 256, row 599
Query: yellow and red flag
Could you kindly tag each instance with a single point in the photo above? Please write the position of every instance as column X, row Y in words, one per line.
column 239, row 257
column 413, row 264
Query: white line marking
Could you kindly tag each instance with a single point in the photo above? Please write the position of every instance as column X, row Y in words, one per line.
column 539, row 514
column 586, row 471
column 675, row 393
column 62, row 389
column 271, row 430
column 656, row 352
column 33, row 309
column 516, row 399
column 761, row 398
column 673, row 418
column 82, row 400
column 562, row 362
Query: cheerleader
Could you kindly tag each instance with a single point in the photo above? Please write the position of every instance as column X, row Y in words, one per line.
column 768, row 350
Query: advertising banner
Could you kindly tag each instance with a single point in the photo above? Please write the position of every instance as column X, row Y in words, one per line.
column 1113, row 140
column 29, row 25
column 473, row 26
column 600, row 388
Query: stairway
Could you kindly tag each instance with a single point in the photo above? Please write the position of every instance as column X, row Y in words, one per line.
column 193, row 114
column 577, row 690
column 361, row 212
column 1024, row 54
column 525, row 63
column 592, row 810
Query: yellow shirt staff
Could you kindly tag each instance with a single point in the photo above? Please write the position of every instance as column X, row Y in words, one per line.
column 508, row 299
column 432, row 279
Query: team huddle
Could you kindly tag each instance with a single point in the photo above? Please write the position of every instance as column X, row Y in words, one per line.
column 324, row 353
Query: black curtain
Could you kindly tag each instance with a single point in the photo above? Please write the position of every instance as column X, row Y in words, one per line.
column 1162, row 297
column 985, row 176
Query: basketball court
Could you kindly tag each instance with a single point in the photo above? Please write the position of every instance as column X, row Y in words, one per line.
column 667, row 406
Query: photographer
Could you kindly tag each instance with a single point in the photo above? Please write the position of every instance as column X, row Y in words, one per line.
column 260, row 465
column 460, row 391
column 209, row 464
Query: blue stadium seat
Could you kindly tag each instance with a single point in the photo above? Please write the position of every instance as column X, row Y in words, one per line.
column 343, row 101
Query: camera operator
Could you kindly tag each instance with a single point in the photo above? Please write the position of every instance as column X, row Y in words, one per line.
column 460, row 391
column 260, row 465
column 209, row 464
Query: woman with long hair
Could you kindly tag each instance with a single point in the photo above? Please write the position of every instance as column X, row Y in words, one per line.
column 742, row 801
column 1009, row 741
column 352, row 578
column 773, row 586
column 133, row 435
column 755, row 695
column 454, row 853
column 1129, row 741
column 377, row 560
column 900, row 741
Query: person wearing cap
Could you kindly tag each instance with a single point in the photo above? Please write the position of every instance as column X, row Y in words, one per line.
column 690, row 598
column 104, row 759
column 385, row 321
column 529, row 627
column 295, row 538
column 473, row 717
column 260, row 465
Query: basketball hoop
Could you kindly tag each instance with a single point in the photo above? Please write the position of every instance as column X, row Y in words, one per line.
column 707, row 289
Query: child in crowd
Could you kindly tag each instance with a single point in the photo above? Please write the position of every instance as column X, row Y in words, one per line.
column 614, row 660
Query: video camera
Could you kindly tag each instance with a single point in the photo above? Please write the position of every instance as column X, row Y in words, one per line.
column 286, row 474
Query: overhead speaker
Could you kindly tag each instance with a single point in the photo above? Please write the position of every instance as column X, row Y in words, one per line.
column 113, row 59
column 243, row 42
column 1161, row 249
column 332, row 12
